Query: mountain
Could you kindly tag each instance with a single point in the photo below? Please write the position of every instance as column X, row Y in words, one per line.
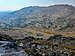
column 4, row 13
column 55, row 17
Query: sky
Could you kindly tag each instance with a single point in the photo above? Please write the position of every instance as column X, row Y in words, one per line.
column 12, row 5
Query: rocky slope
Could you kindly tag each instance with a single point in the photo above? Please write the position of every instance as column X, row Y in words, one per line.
column 56, row 17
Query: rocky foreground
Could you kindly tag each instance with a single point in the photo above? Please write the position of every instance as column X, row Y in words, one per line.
column 56, row 45
column 8, row 47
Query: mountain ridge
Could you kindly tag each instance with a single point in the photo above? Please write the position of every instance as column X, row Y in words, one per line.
column 56, row 17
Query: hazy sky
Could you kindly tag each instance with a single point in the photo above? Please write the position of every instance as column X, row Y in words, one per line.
column 18, row 4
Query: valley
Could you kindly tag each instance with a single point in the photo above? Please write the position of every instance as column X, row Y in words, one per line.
column 23, row 32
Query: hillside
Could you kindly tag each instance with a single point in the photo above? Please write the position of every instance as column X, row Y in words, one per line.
column 56, row 18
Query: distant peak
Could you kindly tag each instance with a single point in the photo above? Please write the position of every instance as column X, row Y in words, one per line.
column 62, row 5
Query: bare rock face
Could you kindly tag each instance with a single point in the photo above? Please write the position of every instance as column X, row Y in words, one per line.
column 10, row 49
